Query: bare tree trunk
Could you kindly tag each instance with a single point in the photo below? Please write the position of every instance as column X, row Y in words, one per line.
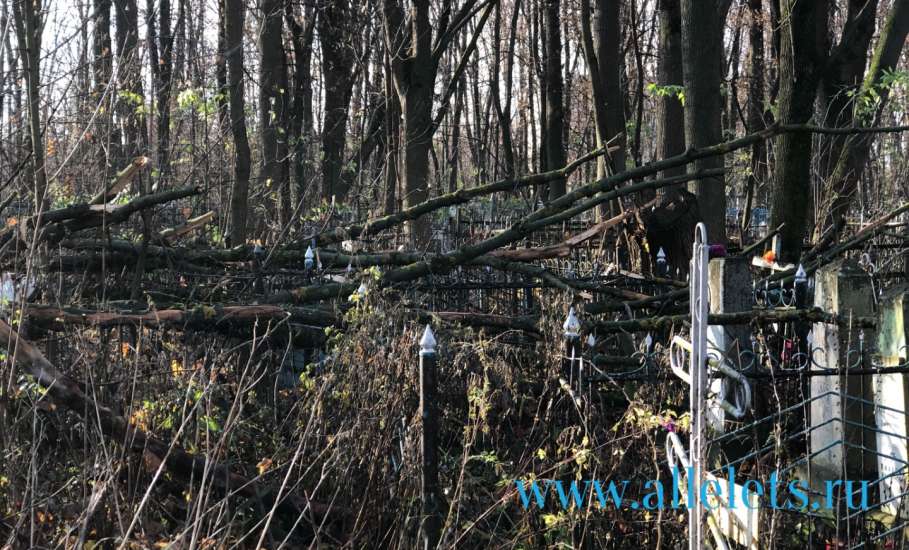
column 234, row 22
column 554, row 106
column 503, row 111
column 414, row 58
column 754, row 119
column 670, row 127
column 129, row 80
column 103, row 72
column 392, row 142
column 273, row 106
column 802, row 55
column 28, row 28
column 163, row 88
column 843, row 77
column 338, row 69
column 702, row 66
column 301, row 117
column 602, row 51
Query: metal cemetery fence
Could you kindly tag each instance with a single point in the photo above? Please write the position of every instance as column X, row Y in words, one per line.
column 818, row 403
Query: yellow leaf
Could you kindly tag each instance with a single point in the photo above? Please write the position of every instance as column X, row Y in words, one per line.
column 264, row 465
column 176, row 368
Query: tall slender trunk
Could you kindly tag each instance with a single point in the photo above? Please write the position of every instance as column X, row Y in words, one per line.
column 336, row 37
column 301, row 116
column 503, row 111
column 129, row 82
column 234, row 22
column 102, row 68
column 702, row 67
column 670, row 113
column 273, row 107
column 843, row 77
column 392, row 142
column 163, row 88
column 27, row 15
column 554, row 105
column 414, row 58
column 754, row 185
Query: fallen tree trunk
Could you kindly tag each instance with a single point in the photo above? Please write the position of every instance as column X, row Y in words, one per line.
column 64, row 392
column 563, row 249
column 55, row 225
column 203, row 317
column 461, row 196
column 738, row 318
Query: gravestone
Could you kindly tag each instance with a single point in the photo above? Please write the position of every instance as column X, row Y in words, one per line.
column 842, row 412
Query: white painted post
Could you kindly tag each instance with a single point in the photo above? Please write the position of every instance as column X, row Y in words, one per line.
column 891, row 399
column 842, row 420
column 730, row 292
column 699, row 308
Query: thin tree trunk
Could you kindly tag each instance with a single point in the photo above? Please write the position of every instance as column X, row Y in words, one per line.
column 301, row 116
column 392, row 142
column 163, row 88
column 128, row 79
column 754, row 185
column 103, row 72
column 670, row 114
column 234, row 22
column 336, row 36
column 554, row 105
column 273, row 107
column 28, row 27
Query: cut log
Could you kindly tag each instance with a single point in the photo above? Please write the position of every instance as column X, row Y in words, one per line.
column 120, row 182
column 169, row 235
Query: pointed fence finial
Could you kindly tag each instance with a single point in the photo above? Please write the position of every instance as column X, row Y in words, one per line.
column 308, row 258
column 591, row 341
column 428, row 341
column 800, row 276
column 572, row 325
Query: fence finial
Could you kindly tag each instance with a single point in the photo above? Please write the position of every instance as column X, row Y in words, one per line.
column 308, row 258
column 428, row 341
column 572, row 325
column 800, row 276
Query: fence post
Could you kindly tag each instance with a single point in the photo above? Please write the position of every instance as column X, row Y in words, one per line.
column 842, row 415
column 730, row 292
column 662, row 268
column 429, row 444
column 258, row 260
column 891, row 399
column 572, row 355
